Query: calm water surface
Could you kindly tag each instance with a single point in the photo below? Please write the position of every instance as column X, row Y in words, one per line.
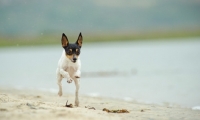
column 161, row 72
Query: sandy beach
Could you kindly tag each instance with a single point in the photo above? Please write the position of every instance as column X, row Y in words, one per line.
column 31, row 104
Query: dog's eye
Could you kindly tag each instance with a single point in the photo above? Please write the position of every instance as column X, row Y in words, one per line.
column 78, row 52
column 69, row 52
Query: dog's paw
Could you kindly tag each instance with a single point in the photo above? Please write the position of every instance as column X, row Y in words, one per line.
column 69, row 80
column 76, row 103
column 60, row 93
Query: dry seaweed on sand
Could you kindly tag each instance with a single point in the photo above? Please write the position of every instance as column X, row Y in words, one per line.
column 116, row 111
column 70, row 105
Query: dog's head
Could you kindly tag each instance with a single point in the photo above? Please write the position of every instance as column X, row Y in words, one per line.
column 72, row 51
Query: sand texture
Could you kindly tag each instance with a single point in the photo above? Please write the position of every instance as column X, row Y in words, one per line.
column 37, row 105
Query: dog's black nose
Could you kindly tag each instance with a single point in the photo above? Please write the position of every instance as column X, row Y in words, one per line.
column 74, row 59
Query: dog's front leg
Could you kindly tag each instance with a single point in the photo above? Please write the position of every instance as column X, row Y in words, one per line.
column 77, row 74
column 65, row 74
column 59, row 79
column 76, row 81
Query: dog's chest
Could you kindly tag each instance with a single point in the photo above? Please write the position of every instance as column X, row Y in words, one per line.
column 70, row 68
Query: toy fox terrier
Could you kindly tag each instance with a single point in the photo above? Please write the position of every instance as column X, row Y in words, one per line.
column 69, row 64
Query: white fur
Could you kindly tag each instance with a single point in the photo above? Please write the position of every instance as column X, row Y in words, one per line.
column 71, row 71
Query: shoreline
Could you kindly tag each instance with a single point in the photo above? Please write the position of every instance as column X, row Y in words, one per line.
column 34, row 104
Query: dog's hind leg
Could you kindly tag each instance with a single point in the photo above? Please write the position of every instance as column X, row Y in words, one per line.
column 76, row 81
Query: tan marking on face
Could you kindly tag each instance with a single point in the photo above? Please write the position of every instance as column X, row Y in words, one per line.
column 70, row 50
column 76, row 50
column 71, row 56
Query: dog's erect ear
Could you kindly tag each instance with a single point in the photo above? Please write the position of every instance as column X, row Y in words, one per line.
column 64, row 40
column 79, row 40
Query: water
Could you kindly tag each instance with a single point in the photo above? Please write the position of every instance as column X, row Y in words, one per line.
column 161, row 72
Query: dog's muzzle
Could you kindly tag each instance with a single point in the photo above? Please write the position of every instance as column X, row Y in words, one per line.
column 74, row 60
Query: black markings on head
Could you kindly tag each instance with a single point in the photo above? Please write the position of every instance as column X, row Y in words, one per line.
column 72, row 49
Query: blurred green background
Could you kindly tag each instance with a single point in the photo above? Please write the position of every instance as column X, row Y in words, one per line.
column 38, row 22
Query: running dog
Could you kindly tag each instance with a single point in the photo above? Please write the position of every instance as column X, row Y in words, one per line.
column 69, row 64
